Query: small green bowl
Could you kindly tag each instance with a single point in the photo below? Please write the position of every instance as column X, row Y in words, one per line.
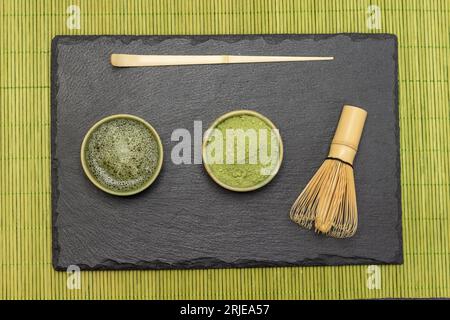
column 230, row 115
column 94, row 180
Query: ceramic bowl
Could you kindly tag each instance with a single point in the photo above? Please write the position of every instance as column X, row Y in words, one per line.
column 230, row 115
column 92, row 178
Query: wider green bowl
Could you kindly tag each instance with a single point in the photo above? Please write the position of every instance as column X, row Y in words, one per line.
column 91, row 176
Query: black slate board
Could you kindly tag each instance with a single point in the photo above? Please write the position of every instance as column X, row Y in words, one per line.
column 185, row 220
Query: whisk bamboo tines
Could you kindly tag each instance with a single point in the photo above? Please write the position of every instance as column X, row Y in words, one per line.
column 329, row 200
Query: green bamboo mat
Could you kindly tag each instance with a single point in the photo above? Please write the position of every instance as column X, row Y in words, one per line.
column 27, row 28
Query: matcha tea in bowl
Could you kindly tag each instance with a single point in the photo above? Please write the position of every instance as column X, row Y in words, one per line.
column 122, row 154
column 242, row 150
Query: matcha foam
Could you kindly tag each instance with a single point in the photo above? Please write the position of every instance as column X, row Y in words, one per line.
column 122, row 154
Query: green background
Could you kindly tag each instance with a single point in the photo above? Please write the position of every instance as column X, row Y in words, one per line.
column 27, row 28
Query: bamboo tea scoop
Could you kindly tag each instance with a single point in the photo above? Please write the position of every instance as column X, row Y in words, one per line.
column 131, row 60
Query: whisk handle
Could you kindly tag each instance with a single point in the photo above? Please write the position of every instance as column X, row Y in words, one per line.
column 348, row 134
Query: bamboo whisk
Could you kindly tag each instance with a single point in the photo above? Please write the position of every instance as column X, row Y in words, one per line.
column 329, row 199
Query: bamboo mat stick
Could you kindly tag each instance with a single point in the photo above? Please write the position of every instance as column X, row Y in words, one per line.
column 129, row 60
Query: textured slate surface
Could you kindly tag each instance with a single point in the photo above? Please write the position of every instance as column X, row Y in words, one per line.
column 185, row 220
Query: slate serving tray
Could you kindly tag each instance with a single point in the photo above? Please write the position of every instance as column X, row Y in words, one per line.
column 185, row 220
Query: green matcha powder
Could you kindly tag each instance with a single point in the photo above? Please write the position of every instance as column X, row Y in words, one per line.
column 251, row 172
